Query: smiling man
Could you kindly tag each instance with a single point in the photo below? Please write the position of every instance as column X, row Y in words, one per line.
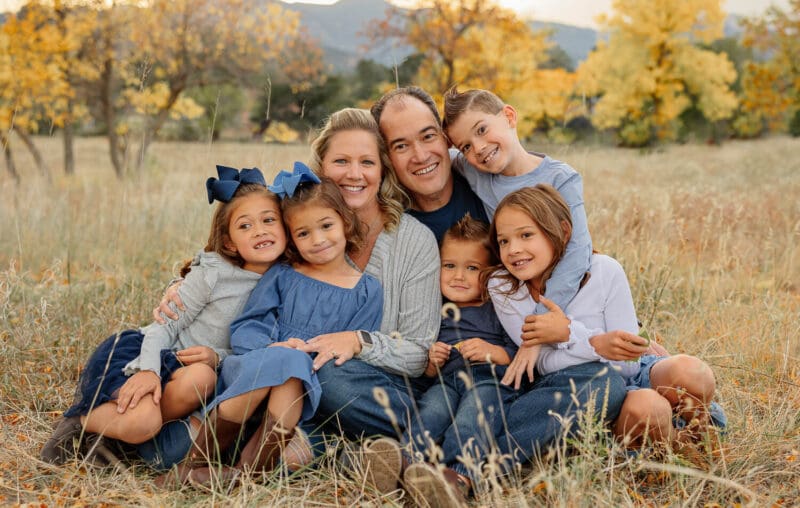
column 418, row 149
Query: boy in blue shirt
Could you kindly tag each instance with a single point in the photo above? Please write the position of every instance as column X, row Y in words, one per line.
column 495, row 163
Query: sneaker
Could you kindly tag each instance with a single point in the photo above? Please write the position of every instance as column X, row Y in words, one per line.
column 64, row 442
column 382, row 462
column 428, row 486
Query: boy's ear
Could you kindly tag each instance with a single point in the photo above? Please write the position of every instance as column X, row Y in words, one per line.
column 511, row 115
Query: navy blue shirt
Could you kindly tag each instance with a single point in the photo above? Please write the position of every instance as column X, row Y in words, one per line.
column 476, row 322
column 461, row 202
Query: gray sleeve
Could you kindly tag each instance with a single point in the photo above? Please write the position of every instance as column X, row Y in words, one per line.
column 412, row 286
column 195, row 292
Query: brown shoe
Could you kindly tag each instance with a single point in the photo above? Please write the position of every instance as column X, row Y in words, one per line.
column 428, row 486
column 382, row 461
column 263, row 451
column 214, row 437
column 64, row 443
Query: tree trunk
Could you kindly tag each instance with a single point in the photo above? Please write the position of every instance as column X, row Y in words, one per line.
column 37, row 155
column 12, row 169
column 69, row 152
column 152, row 129
column 107, row 102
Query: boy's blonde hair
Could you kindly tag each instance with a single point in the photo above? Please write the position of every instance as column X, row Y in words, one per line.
column 457, row 103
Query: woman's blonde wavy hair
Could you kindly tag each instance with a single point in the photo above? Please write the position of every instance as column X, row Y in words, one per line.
column 392, row 199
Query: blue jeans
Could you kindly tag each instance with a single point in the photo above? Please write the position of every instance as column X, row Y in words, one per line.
column 540, row 414
column 349, row 405
column 169, row 447
column 464, row 417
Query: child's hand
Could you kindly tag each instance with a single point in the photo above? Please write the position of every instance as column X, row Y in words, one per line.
column 619, row 345
column 524, row 361
column 438, row 355
column 291, row 343
column 164, row 309
column 478, row 350
column 656, row 349
column 198, row 354
column 546, row 328
column 136, row 387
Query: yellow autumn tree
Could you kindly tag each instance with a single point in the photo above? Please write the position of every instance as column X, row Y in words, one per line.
column 183, row 43
column 476, row 44
column 651, row 68
column 771, row 88
column 33, row 89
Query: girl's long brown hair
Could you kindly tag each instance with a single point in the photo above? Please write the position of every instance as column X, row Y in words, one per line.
column 325, row 194
column 545, row 206
column 219, row 236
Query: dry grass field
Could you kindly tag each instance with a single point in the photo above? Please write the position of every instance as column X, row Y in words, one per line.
column 708, row 236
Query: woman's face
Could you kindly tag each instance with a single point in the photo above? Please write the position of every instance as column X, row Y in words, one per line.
column 354, row 164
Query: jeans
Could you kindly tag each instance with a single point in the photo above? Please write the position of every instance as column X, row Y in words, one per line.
column 169, row 447
column 550, row 406
column 359, row 399
column 463, row 415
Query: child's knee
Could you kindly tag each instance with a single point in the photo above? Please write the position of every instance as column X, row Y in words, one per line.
column 142, row 424
column 646, row 406
column 687, row 373
column 198, row 380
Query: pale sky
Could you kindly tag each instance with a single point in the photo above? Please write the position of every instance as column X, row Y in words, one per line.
column 582, row 12
column 571, row 12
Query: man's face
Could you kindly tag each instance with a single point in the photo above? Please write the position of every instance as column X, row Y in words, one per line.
column 417, row 146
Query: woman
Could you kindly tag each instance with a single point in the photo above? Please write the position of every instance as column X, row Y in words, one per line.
column 368, row 386
column 401, row 253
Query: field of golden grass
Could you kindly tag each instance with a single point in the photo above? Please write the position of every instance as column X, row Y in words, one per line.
column 708, row 236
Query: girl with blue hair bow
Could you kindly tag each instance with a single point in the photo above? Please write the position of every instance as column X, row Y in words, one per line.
column 137, row 380
column 269, row 378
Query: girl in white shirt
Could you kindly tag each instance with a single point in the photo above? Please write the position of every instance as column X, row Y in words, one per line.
column 530, row 230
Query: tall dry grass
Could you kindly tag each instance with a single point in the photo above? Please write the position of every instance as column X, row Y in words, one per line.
column 708, row 236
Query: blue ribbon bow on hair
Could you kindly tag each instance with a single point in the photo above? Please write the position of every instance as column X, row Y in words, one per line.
column 229, row 180
column 286, row 183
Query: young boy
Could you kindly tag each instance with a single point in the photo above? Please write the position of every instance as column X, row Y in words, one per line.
column 462, row 411
column 494, row 162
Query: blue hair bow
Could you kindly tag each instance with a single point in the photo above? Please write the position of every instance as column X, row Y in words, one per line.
column 229, row 180
column 286, row 183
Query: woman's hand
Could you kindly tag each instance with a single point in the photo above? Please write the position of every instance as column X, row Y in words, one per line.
column 619, row 345
column 546, row 328
column 438, row 355
column 136, row 387
column 339, row 346
column 524, row 361
column 198, row 354
column 478, row 350
column 164, row 309
column 291, row 343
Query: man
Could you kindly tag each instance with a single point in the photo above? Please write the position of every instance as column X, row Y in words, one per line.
column 418, row 149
